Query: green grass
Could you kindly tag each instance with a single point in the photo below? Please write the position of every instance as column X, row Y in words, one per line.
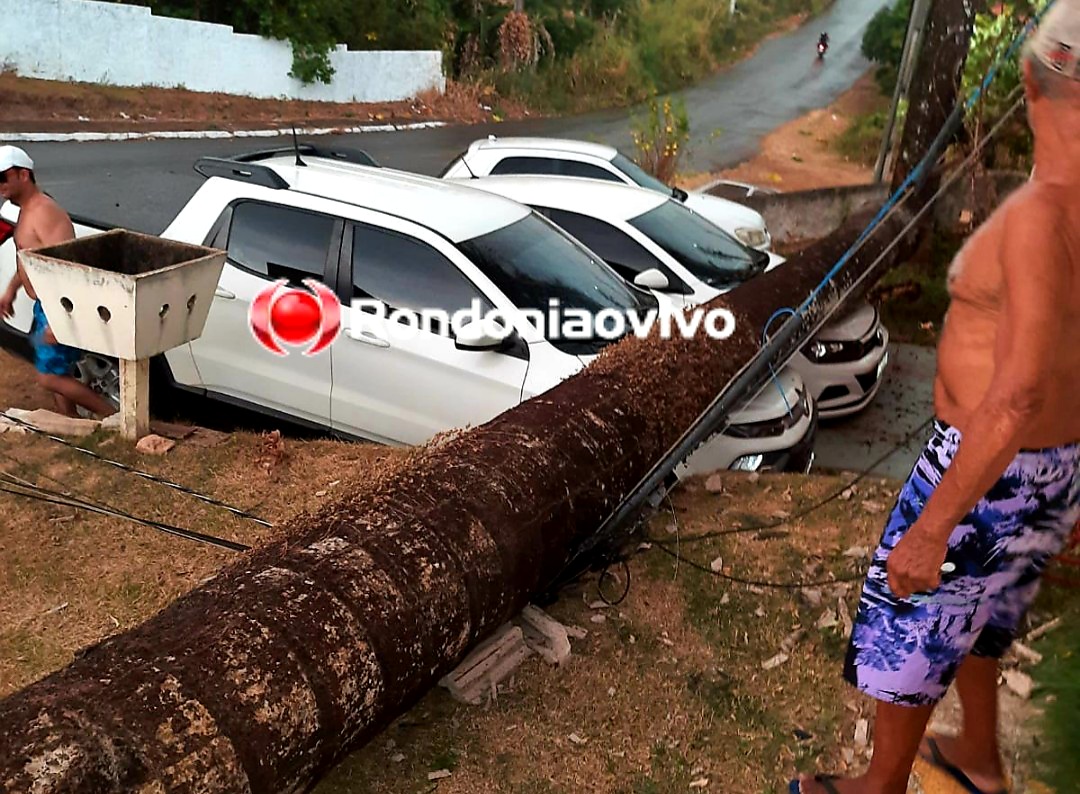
column 1058, row 678
column 861, row 141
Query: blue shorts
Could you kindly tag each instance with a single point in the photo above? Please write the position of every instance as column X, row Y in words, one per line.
column 55, row 359
column 907, row 651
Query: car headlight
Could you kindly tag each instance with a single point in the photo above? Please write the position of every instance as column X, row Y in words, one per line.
column 748, row 463
column 755, row 238
column 819, row 350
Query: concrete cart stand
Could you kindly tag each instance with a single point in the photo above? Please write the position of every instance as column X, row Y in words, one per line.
column 127, row 295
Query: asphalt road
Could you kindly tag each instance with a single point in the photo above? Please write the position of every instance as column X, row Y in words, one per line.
column 143, row 184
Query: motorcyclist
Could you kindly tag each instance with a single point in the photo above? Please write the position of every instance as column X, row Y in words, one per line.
column 823, row 40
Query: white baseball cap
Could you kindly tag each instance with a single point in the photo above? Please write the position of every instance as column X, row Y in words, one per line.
column 14, row 157
column 1056, row 42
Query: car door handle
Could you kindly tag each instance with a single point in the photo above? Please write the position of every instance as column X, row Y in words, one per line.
column 224, row 293
column 367, row 337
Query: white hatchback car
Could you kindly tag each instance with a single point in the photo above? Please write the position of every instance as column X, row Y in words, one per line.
column 494, row 156
column 658, row 243
column 408, row 243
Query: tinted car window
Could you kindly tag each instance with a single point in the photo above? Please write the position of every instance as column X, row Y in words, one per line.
column 638, row 175
column 534, row 262
column 552, row 166
column 525, row 165
column 405, row 273
column 280, row 242
column 706, row 250
column 574, row 168
column 624, row 254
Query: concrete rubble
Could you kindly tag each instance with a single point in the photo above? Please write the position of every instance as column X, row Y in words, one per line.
column 479, row 675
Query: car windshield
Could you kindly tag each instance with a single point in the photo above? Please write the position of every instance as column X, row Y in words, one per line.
column 534, row 262
column 639, row 175
column 703, row 248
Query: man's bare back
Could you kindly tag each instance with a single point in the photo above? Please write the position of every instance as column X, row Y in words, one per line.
column 977, row 286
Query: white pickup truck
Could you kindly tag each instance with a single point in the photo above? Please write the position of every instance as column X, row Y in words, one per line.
column 406, row 242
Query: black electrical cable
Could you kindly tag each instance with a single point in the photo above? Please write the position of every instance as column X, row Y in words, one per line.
column 758, row 583
column 239, row 511
column 54, row 497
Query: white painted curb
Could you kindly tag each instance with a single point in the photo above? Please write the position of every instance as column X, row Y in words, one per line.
column 54, row 137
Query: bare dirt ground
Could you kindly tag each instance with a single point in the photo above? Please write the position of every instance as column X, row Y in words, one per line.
column 801, row 155
column 50, row 106
column 669, row 688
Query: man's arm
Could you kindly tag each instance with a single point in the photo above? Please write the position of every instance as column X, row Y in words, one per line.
column 1036, row 274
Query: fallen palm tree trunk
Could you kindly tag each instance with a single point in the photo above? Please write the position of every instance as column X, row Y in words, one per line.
column 263, row 678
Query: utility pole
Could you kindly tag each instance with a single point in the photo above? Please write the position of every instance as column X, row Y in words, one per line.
column 912, row 45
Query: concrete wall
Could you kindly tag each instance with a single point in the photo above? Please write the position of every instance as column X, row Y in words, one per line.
column 114, row 44
column 813, row 214
column 805, row 215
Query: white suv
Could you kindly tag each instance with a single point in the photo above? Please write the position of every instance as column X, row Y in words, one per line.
column 409, row 243
column 660, row 244
column 494, row 156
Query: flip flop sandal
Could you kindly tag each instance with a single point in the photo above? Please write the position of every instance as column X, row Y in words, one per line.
column 938, row 760
column 824, row 780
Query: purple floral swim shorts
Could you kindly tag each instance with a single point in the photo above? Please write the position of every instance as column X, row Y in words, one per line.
column 907, row 651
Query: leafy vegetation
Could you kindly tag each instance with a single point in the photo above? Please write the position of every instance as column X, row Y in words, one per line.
column 883, row 42
column 861, row 141
column 660, row 137
column 558, row 55
column 991, row 40
column 994, row 32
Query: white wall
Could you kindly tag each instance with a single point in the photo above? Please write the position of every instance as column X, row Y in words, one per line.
column 114, row 44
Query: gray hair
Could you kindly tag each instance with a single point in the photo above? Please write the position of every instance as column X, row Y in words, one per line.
column 1052, row 84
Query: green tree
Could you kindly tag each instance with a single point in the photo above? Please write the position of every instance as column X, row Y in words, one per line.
column 993, row 35
column 883, row 42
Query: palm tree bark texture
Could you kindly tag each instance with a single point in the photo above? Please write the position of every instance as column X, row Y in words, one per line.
column 263, row 678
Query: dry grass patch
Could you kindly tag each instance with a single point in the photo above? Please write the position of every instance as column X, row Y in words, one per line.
column 669, row 689
column 71, row 578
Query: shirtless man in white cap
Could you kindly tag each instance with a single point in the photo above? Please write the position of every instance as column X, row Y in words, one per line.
column 42, row 222
column 996, row 493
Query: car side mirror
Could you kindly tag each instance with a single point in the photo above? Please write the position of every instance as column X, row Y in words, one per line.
column 475, row 335
column 652, row 278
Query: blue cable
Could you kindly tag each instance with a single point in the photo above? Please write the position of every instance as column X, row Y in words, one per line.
column 764, row 339
column 915, row 174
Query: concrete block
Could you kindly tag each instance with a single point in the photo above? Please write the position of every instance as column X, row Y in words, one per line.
column 545, row 635
column 487, row 666
column 54, row 423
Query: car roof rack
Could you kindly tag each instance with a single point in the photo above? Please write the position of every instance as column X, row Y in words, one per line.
column 243, row 172
column 343, row 153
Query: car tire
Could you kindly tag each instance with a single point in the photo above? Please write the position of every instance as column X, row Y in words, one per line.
column 102, row 374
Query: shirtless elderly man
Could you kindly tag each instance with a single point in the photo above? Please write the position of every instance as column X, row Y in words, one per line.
column 996, row 493
column 42, row 223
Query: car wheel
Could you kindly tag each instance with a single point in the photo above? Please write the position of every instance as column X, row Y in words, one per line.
column 102, row 375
